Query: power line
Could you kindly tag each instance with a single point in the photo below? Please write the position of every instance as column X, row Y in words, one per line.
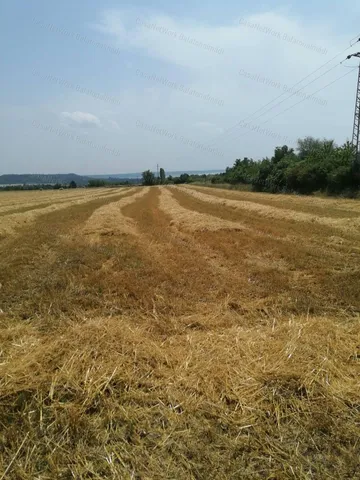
column 295, row 104
column 295, row 93
column 279, row 96
column 357, row 39
column 317, row 91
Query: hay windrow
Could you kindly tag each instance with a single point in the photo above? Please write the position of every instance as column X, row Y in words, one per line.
column 324, row 205
column 190, row 220
column 221, row 400
column 12, row 221
column 10, row 201
column 109, row 220
column 143, row 336
column 271, row 212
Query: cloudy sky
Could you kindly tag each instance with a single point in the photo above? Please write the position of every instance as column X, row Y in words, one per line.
column 107, row 87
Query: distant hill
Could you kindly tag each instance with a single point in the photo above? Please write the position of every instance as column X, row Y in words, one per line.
column 43, row 179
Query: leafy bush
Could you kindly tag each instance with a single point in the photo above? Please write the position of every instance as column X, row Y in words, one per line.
column 184, row 178
column 318, row 165
column 96, row 182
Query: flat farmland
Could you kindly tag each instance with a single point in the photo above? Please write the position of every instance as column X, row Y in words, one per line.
column 179, row 333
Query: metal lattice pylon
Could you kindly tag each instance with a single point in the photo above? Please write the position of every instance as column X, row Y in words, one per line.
column 356, row 131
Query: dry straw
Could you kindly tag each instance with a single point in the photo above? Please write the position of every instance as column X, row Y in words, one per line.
column 271, row 212
column 145, row 337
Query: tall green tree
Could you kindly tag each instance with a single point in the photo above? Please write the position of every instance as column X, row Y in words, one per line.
column 162, row 176
column 309, row 145
column 148, row 178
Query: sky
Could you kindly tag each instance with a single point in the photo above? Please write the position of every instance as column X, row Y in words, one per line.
column 116, row 87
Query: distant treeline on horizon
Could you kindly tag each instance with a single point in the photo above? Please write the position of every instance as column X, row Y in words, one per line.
column 82, row 180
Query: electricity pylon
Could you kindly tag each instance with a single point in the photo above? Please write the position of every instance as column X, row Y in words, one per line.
column 356, row 130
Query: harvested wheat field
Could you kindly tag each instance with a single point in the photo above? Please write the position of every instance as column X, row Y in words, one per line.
column 179, row 333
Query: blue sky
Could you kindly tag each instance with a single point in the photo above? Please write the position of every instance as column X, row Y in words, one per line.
column 106, row 87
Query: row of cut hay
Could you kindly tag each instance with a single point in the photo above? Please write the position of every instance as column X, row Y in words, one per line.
column 342, row 206
column 338, row 244
column 12, row 221
column 191, row 220
column 343, row 224
column 36, row 197
column 151, row 397
column 109, row 220
column 187, row 221
column 65, row 196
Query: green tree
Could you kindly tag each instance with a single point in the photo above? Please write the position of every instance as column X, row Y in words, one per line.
column 308, row 145
column 148, row 178
column 184, row 178
column 320, row 165
column 243, row 171
column 162, row 176
column 72, row 184
column 281, row 152
column 96, row 182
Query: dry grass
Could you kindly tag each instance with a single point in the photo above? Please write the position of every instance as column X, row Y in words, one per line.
column 305, row 203
column 190, row 220
column 28, row 209
column 352, row 223
column 154, row 334
column 25, row 199
column 109, row 220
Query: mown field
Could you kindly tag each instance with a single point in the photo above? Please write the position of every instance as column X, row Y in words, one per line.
column 179, row 333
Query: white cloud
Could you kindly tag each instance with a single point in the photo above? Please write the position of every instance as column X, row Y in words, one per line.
column 195, row 45
column 177, row 51
column 81, row 119
column 273, row 44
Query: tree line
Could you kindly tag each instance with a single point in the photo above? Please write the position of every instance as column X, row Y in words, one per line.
column 149, row 178
column 92, row 183
column 314, row 166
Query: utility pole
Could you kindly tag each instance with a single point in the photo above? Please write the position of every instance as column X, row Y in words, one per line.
column 356, row 129
column 356, row 132
column 157, row 170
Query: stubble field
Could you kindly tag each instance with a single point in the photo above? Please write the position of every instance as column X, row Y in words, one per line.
column 179, row 333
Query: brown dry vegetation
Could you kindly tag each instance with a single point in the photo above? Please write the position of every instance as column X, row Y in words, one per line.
column 179, row 333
